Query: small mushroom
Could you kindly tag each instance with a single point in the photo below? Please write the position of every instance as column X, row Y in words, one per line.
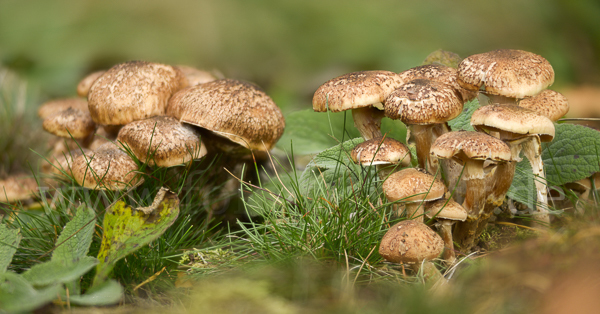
column 439, row 73
column 384, row 153
column 83, row 88
column 17, row 188
column 196, row 76
column 446, row 212
column 70, row 123
column 550, row 104
column 51, row 107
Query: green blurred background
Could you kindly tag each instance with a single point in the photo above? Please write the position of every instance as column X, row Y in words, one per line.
column 288, row 47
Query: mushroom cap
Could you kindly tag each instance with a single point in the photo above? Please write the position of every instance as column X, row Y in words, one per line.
column 53, row 106
column 196, row 76
column 412, row 185
column 83, row 88
column 443, row 57
column 355, row 90
column 423, row 102
column 70, row 122
column 410, row 242
column 446, row 209
column 17, row 188
column 236, row 110
column 506, row 72
column 514, row 120
column 465, row 145
column 63, row 162
column 133, row 91
column 168, row 142
column 439, row 73
column 381, row 151
column 550, row 104
column 107, row 168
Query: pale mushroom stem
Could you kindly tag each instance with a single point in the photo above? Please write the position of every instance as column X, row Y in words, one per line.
column 368, row 121
column 446, row 234
column 464, row 233
column 415, row 211
column 532, row 150
column 430, row 272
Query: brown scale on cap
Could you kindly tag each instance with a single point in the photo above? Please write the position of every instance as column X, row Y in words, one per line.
column 83, row 88
column 470, row 145
column 169, row 142
column 410, row 242
column 237, row 110
column 439, row 73
column 506, row 72
column 550, row 104
column 70, row 122
column 512, row 119
column 379, row 151
column 133, row 91
column 53, row 106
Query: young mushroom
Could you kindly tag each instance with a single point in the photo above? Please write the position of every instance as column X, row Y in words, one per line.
column 70, row 123
column 83, row 88
column 446, row 212
column 550, row 104
column 17, row 188
column 384, row 153
column 57, row 105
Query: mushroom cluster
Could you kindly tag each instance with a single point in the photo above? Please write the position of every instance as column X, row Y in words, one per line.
column 478, row 167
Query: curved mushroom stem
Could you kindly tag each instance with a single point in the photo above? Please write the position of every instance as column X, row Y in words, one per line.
column 368, row 121
column 464, row 233
column 532, row 149
column 445, row 229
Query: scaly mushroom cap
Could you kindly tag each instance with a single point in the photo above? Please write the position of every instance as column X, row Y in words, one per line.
column 506, row 72
column 355, row 90
column 107, row 168
column 439, row 73
column 236, row 110
column 17, row 188
column 63, row 162
column 133, row 91
column 53, row 106
column 196, row 76
column 470, row 145
column 412, row 185
column 446, row 209
column 513, row 119
column 410, row 242
column 83, row 88
column 380, row 151
column 168, row 142
column 70, row 122
column 550, row 104
column 423, row 102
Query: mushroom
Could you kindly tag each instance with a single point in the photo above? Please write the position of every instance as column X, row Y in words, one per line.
column 62, row 164
column 439, row 73
column 361, row 92
column 443, row 57
column 505, row 75
column 413, row 243
column 162, row 141
column 446, row 212
column 17, row 188
column 196, row 76
column 384, row 153
column 474, row 150
column 51, row 107
column 550, row 104
column 83, row 88
column 413, row 187
column 70, row 123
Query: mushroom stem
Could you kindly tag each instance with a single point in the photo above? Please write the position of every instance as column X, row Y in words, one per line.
column 368, row 121
column 499, row 183
column 445, row 229
column 464, row 233
column 430, row 272
column 423, row 137
column 532, row 149
column 415, row 211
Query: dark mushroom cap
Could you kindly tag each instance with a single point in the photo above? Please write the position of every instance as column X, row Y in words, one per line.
column 70, row 122
column 446, row 209
column 57, row 105
column 410, row 242
column 470, row 145
column 513, row 119
column 423, row 102
column 17, row 188
column 412, row 185
column 355, row 90
column 83, row 88
column 506, row 72
column 548, row 103
column 439, row 73
column 169, row 142
column 133, row 91
column 381, row 151
column 236, row 110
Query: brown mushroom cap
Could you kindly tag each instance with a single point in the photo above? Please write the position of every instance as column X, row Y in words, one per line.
column 86, row 83
column 17, row 188
column 446, row 209
column 63, row 162
column 236, row 110
column 439, row 73
column 70, row 122
column 470, row 145
column 169, row 142
column 381, row 151
column 412, row 185
column 355, row 90
column 53, row 106
column 133, row 91
column 107, row 168
column 548, row 103
column 423, row 102
column 196, row 76
column 410, row 242
column 506, row 72
column 513, row 119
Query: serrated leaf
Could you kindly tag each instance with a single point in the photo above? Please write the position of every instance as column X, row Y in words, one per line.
column 522, row 188
column 463, row 121
column 108, row 293
column 126, row 230
column 9, row 242
column 574, row 154
column 18, row 295
column 54, row 271
column 75, row 239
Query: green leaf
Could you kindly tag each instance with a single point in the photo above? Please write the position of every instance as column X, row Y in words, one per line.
column 522, row 188
column 75, row 239
column 18, row 295
column 126, row 230
column 9, row 242
column 574, row 154
column 53, row 271
column 463, row 121
column 107, row 293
